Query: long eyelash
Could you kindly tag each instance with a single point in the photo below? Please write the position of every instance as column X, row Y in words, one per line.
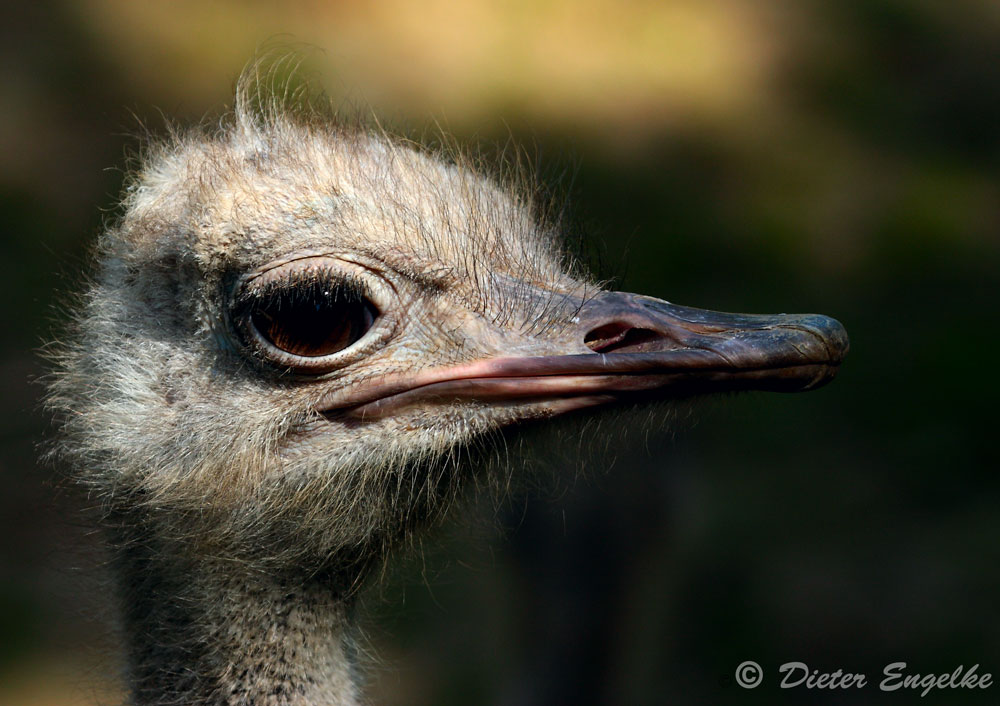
column 307, row 286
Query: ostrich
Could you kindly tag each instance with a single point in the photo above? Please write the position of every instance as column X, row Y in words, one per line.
column 296, row 336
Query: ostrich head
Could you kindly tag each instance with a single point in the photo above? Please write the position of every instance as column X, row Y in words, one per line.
column 295, row 328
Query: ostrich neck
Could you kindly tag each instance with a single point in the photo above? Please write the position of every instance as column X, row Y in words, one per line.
column 206, row 632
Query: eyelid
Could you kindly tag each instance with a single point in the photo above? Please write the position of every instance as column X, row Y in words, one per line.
column 276, row 279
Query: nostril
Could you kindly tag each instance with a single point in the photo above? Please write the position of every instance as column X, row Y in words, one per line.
column 604, row 336
column 619, row 337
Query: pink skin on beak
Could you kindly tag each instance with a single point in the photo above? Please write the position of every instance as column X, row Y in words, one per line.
column 643, row 347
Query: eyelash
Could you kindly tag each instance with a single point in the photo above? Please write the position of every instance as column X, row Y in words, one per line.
column 307, row 286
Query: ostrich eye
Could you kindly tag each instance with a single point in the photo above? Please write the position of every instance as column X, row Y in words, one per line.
column 311, row 317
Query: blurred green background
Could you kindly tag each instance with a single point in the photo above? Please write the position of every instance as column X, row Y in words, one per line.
column 818, row 155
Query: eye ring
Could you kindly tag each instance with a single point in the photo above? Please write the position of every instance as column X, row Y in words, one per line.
column 311, row 315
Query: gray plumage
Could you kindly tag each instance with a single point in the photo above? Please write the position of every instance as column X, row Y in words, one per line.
column 248, row 484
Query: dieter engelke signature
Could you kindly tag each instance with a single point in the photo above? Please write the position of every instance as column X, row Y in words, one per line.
column 895, row 677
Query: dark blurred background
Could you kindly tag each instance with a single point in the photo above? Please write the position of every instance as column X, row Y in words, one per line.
column 815, row 155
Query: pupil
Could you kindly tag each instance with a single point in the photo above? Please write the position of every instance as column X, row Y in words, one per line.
column 311, row 322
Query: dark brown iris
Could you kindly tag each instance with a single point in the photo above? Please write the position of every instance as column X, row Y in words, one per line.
column 312, row 319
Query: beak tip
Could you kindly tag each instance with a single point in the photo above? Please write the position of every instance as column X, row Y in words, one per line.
column 831, row 333
column 832, row 336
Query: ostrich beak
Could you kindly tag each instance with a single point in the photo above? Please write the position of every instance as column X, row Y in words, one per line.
column 708, row 350
column 640, row 347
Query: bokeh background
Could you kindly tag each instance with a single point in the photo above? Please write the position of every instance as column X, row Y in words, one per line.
column 765, row 155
